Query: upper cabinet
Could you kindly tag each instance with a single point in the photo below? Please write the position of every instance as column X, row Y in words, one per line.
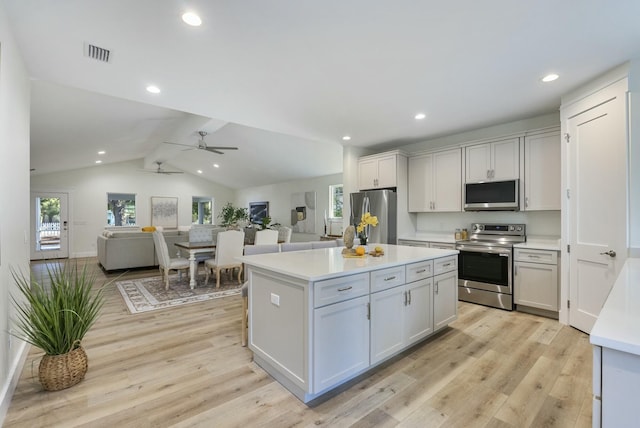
column 542, row 172
column 377, row 171
column 435, row 181
column 494, row 161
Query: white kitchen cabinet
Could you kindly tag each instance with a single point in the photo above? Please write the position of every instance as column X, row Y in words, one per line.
column 445, row 299
column 493, row 161
column 377, row 171
column 536, row 278
column 413, row 243
column 435, row 182
column 341, row 341
column 542, row 172
column 442, row 245
column 418, row 315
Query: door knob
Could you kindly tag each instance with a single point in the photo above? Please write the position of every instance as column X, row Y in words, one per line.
column 609, row 253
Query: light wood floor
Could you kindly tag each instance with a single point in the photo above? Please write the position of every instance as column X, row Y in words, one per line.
column 184, row 367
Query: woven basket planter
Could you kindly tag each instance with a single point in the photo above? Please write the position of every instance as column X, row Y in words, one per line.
column 58, row 372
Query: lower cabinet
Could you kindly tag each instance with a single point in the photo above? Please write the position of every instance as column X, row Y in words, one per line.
column 536, row 279
column 341, row 341
column 445, row 299
column 400, row 316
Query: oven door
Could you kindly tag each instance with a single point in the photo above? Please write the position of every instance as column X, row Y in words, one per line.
column 485, row 268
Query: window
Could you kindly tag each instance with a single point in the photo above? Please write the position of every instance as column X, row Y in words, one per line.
column 201, row 210
column 335, row 201
column 121, row 209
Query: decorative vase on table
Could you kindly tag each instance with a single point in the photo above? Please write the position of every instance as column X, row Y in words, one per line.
column 366, row 221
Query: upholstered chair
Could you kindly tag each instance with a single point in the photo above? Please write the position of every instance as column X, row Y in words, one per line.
column 284, row 234
column 295, row 246
column 229, row 246
column 166, row 263
column 266, row 236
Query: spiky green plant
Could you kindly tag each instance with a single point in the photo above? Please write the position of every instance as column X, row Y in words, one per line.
column 55, row 318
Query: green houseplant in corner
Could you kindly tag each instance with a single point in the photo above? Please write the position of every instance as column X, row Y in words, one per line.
column 55, row 317
column 231, row 215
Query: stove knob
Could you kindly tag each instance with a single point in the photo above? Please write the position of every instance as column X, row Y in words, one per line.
column 511, row 228
column 475, row 227
column 481, row 227
column 519, row 229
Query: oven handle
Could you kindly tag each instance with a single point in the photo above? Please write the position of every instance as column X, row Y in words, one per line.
column 502, row 252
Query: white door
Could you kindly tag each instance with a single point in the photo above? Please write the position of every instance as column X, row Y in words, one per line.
column 597, row 203
column 50, row 225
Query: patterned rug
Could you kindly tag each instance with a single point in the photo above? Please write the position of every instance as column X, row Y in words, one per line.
column 149, row 294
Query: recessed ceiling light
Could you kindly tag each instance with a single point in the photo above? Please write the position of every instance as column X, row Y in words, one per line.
column 192, row 19
column 101, row 152
column 346, row 138
column 153, row 89
column 550, row 77
column 215, row 165
column 420, row 116
column 98, row 161
column 199, row 171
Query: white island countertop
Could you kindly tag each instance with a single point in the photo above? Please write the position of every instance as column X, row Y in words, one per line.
column 324, row 263
column 618, row 325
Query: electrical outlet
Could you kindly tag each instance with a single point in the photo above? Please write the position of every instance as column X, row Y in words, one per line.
column 275, row 299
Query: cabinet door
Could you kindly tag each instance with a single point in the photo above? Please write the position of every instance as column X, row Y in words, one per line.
column 542, row 172
column 387, row 320
column 445, row 299
column 478, row 163
column 447, row 180
column 367, row 174
column 418, row 320
column 387, row 172
column 340, row 342
column 536, row 285
column 420, row 183
column 505, row 159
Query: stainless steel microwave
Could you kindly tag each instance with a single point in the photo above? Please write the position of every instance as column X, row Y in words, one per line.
column 492, row 196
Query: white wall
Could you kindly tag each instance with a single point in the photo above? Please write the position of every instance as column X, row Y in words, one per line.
column 539, row 223
column 279, row 198
column 14, row 210
column 88, row 188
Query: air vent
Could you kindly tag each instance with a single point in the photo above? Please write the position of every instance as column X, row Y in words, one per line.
column 97, row 53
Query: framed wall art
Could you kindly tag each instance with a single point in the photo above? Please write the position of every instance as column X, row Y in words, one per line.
column 164, row 212
column 257, row 211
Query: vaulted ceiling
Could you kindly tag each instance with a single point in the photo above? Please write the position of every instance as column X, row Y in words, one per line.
column 285, row 80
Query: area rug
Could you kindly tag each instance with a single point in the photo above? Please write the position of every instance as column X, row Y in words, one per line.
column 149, row 294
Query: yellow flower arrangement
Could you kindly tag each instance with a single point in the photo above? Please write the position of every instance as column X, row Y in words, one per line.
column 366, row 220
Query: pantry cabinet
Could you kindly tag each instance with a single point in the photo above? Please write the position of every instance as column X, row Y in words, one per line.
column 435, row 182
column 493, row 161
column 542, row 172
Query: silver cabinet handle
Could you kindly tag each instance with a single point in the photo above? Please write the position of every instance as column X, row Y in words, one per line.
column 390, row 278
column 409, row 296
column 526, row 202
column 345, row 288
column 609, row 253
column 405, row 298
column 436, row 290
column 446, row 265
column 515, row 270
column 421, row 271
column 368, row 310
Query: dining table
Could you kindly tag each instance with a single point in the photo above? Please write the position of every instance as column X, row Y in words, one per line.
column 194, row 248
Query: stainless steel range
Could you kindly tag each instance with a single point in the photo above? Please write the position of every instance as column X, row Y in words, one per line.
column 485, row 264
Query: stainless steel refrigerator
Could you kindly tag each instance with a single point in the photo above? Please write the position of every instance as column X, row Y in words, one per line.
column 382, row 204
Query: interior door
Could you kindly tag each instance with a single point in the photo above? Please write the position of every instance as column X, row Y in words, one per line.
column 50, row 225
column 597, row 203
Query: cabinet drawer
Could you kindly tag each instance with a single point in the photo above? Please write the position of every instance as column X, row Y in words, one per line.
column 387, row 278
column 338, row 289
column 442, row 245
column 412, row 243
column 445, row 264
column 420, row 270
column 536, row 256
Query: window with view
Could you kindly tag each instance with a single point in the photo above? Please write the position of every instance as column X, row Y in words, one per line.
column 335, row 201
column 201, row 210
column 121, row 209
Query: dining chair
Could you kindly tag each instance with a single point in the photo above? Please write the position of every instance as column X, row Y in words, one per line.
column 323, row 244
column 266, row 236
column 284, row 234
column 229, row 246
column 248, row 251
column 165, row 262
column 201, row 233
column 295, row 246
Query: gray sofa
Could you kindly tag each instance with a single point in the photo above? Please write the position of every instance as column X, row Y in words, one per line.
column 126, row 250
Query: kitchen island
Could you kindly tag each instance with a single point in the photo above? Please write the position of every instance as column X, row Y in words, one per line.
column 318, row 319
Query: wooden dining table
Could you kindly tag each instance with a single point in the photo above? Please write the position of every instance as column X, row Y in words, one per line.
column 195, row 248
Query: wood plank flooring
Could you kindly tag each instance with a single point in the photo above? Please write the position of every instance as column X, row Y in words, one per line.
column 184, row 367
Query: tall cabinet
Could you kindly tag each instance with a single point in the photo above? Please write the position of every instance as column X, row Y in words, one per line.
column 541, row 178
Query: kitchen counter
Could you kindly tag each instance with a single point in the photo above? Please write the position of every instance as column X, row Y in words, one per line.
column 617, row 325
column 540, row 243
column 448, row 238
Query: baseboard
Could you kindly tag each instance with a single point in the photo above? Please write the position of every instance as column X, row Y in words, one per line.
column 13, row 377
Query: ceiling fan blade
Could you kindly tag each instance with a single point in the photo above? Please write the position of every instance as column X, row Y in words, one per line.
column 222, row 148
column 213, row 150
column 178, row 144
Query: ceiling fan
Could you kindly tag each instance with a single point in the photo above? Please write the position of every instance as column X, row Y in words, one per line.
column 203, row 146
column 159, row 170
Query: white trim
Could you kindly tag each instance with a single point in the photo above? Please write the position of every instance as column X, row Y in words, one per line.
column 14, row 376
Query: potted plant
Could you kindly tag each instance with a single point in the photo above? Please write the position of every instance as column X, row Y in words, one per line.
column 55, row 317
column 265, row 222
column 231, row 215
